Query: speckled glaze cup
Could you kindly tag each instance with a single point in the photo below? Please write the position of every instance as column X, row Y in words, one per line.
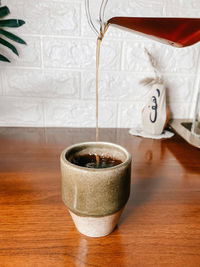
column 95, row 198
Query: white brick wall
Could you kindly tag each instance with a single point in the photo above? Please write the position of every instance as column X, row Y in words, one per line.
column 52, row 83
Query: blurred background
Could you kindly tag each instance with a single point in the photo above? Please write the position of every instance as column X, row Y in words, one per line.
column 52, row 82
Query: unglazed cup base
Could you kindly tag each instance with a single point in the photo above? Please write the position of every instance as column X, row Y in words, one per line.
column 96, row 226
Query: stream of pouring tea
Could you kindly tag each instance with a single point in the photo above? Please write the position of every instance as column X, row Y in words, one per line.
column 98, row 48
column 99, row 40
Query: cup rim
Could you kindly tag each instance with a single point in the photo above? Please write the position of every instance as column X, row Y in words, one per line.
column 121, row 165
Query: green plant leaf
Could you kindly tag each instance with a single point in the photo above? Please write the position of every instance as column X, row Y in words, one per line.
column 5, row 59
column 4, row 11
column 12, row 23
column 9, row 45
column 12, row 36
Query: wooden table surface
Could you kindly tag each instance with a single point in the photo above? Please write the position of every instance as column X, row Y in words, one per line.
column 159, row 227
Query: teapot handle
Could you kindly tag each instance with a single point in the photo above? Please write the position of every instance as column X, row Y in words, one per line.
column 87, row 9
column 101, row 16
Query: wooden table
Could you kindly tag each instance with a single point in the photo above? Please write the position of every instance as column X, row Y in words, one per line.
column 159, row 227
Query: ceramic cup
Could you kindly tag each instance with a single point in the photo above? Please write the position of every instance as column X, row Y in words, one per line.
column 95, row 198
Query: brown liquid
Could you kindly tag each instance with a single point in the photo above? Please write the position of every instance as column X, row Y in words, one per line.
column 178, row 32
column 89, row 161
column 99, row 39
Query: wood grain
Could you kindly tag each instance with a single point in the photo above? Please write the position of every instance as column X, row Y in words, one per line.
column 159, row 227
